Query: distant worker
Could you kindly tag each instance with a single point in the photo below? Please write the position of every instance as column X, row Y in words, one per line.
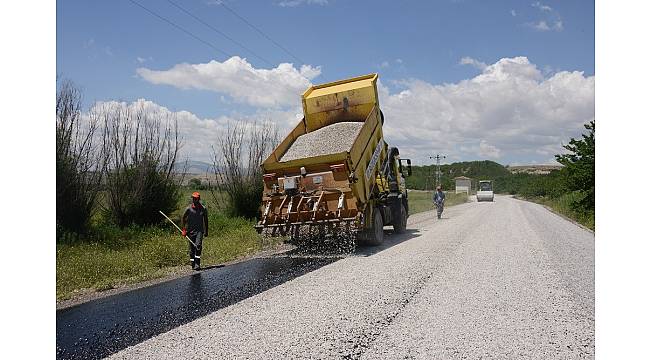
column 439, row 200
column 196, row 219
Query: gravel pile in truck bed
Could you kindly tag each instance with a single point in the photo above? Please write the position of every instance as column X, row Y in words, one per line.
column 330, row 139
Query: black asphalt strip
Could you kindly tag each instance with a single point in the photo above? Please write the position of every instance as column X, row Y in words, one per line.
column 101, row 327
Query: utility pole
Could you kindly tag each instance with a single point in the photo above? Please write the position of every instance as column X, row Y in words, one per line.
column 437, row 157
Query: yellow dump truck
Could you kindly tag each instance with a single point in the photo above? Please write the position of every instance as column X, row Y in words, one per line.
column 334, row 171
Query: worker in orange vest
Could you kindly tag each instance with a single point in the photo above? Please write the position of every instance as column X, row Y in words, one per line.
column 195, row 226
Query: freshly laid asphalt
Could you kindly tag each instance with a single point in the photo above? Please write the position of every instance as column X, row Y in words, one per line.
column 500, row 280
column 98, row 328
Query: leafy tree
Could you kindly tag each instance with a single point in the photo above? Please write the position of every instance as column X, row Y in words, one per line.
column 194, row 183
column 579, row 168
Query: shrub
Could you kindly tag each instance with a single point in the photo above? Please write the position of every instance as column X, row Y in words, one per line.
column 138, row 193
column 195, row 183
column 79, row 163
column 238, row 174
column 144, row 145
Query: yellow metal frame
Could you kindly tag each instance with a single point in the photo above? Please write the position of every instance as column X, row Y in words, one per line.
column 344, row 100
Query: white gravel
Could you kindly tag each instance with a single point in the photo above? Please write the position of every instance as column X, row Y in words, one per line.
column 496, row 280
column 331, row 139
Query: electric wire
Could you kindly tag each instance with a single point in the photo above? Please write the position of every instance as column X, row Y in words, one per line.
column 220, row 32
column 181, row 28
column 222, row 3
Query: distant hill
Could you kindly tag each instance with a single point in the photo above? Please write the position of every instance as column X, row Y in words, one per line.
column 424, row 176
column 533, row 169
column 195, row 167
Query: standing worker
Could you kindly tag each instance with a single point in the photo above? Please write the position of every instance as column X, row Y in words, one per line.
column 439, row 200
column 196, row 219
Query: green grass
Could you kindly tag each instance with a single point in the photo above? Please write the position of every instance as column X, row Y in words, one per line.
column 562, row 205
column 420, row 201
column 110, row 257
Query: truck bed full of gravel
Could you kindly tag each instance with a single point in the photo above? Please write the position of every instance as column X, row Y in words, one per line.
column 330, row 139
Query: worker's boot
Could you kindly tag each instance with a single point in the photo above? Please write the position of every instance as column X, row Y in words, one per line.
column 197, row 263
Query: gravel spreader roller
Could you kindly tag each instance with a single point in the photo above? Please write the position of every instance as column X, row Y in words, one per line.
column 333, row 180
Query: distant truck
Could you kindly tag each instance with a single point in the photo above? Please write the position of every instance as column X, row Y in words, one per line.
column 334, row 172
column 484, row 191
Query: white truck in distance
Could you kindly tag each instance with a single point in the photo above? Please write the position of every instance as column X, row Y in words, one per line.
column 484, row 191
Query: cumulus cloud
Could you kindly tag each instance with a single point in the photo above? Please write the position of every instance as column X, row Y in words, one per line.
column 237, row 78
column 487, row 150
column 509, row 112
column 475, row 63
column 199, row 135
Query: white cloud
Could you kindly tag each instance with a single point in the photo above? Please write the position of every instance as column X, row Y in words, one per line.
column 384, row 65
column 475, row 63
column 542, row 7
column 487, row 150
column 513, row 12
column 199, row 135
column 293, row 3
column 549, row 16
column 541, row 26
column 509, row 112
column 277, row 87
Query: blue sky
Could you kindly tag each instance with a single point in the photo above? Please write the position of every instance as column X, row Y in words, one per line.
column 431, row 57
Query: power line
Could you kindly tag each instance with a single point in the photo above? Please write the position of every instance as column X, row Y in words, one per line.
column 220, row 32
column 180, row 28
column 261, row 32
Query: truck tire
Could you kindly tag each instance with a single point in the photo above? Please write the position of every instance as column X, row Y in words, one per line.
column 376, row 233
column 400, row 220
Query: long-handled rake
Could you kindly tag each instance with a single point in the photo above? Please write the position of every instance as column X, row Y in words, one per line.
column 179, row 229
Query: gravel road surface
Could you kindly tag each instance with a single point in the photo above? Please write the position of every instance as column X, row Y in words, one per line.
column 501, row 280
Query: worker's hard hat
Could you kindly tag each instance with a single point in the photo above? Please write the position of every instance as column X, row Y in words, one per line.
column 196, row 195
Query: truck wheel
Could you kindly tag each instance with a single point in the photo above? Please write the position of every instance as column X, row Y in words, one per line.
column 376, row 233
column 400, row 225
